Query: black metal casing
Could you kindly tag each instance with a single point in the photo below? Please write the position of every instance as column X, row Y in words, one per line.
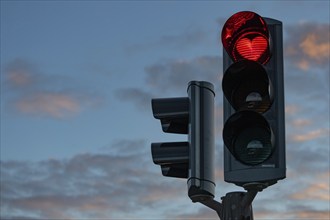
column 194, row 159
column 274, row 168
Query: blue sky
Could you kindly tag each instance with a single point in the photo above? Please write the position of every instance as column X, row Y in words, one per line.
column 77, row 78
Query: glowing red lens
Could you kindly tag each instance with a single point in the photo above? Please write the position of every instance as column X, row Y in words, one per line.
column 245, row 36
column 252, row 49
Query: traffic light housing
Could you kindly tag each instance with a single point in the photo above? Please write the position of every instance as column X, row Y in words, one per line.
column 194, row 158
column 254, row 124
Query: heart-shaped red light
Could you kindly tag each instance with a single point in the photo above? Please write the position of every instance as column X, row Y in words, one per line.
column 252, row 49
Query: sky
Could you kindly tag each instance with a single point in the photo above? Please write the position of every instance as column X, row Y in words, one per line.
column 77, row 79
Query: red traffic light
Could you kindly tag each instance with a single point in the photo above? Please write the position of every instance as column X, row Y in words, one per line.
column 245, row 36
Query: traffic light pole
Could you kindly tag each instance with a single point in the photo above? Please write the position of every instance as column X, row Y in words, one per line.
column 201, row 179
column 235, row 205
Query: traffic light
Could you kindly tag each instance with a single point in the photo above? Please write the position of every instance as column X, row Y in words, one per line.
column 254, row 126
column 192, row 159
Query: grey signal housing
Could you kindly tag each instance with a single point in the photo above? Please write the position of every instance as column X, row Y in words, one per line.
column 194, row 158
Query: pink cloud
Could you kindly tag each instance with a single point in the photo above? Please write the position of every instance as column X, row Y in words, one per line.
column 313, row 214
column 35, row 93
column 20, row 73
column 311, row 135
column 303, row 64
column 301, row 122
column 49, row 104
column 19, row 78
column 308, row 45
column 318, row 190
column 314, row 47
column 301, row 214
column 64, row 207
column 291, row 109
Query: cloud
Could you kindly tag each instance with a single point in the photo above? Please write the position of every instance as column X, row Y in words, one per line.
column 118, row 184
column 307, row 152
column 304, row 214
column 139, row 97
column 170, row 79
column 174, row 75
column 307, row 45
column 316, row 46
column 291, row 109
column 310, row 135
column 202, row 213
column 122, row 182
column 183, row 40
column 316, row 191
column 33, row 93
column 306, row 78
column 299, row 196
column 313, row 214
column 20, row 73
column 48, row 104
column 301, row 122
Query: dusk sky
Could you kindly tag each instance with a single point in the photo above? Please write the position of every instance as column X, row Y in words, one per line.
column 77, row 79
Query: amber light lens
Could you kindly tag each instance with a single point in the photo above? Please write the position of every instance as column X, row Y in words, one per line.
column 247, row 86
column 245, row 36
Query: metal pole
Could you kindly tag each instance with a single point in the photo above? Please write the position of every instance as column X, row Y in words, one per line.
column 201, row 179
